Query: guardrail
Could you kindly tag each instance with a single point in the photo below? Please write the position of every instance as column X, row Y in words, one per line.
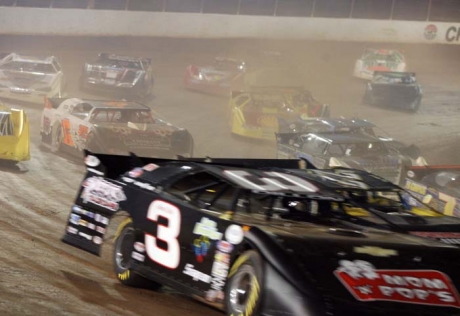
column 77, row 22
column 405, row 10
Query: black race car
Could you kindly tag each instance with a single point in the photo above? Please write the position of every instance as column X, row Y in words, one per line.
column 394, row 89
column 128, row 76
column 351, row 143
column 245, row 236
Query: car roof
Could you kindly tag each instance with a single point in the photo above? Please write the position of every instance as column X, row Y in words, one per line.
column 316, row 182
column 130, row 105
column 26, row 58
column 121, row 57
column 347, row 138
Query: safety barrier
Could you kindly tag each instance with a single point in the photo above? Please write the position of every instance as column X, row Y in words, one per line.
column 82, row 22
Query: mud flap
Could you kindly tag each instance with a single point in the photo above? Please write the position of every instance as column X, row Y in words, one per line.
column 95, row 205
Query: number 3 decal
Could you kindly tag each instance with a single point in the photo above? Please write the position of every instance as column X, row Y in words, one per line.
column 170, row 256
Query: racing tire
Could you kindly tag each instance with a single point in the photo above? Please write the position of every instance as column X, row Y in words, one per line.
column 122, row 261
column 57, row 137
column 244, row 285
column 415, row 105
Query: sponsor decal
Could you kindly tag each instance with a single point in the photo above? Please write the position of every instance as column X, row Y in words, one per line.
column 431, row 31
column 448, row 238
column 375, row 251
column 74, row 219
column 101, row 219
column 234, row 234
column 150, row 167
column 103, row 193
column 100, row 230
column 195, row 274
column 81, row 211
column 207, row 228
column 84, row 235
column 219, row 270
column 72, row 230
column 137, row 256
column 410, row 174
column 453, row 34
column 201, row 246
column 415, row 187
column 224, row 246
column 92, row 161
column 139, row 247
column 136, row 172
column 215, row 296
column 97, row 240
column 366, row 283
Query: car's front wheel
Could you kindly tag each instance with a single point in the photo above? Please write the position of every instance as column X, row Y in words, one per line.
column 245, row 284
column 122, row 260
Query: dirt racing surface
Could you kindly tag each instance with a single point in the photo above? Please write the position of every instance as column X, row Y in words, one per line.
column 39, row 275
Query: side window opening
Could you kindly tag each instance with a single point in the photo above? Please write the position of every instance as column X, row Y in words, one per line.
column 204, row 190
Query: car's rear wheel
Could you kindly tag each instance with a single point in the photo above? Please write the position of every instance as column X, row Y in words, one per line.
column 122, row 261
column 415, row 105
column 57, row 137
column 244, row 285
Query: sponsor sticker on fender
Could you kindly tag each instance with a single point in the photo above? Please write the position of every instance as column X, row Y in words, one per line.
column 103, row 193
column 428, row 287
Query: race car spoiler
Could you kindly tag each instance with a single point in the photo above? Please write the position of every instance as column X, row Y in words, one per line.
column 270, row 90
column 114, row 165
column 394, row 73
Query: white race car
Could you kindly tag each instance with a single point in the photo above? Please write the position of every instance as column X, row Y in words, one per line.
column 379, row 60
column 30, row 79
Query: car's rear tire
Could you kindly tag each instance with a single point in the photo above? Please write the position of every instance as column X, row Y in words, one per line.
column 122, row 261
column 57, row 137
column 245, row 284
column 415, row 105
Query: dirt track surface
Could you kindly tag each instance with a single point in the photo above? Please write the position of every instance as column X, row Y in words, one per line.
column 42, row 276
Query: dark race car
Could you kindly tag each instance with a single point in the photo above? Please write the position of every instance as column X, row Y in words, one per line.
column 438, row 186
column 117, row 127
column 222, row 77
column 352, row 143
column 124, row 75
column 394, row 89
column 248, row 240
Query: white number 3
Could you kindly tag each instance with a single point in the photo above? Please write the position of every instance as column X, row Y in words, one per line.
column 171, row 256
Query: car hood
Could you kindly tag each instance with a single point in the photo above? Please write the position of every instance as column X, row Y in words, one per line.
column 26, row 80
column 365, row 272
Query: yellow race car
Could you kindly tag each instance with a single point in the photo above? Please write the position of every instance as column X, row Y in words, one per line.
column 14, row 135
column 255, row 113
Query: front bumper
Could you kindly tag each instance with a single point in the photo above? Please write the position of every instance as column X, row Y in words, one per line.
column 206, row 87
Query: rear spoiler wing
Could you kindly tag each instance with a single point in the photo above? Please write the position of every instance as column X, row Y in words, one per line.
column 396, row 73
column 112, row 166
column 106, row 55
column 270, row 90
